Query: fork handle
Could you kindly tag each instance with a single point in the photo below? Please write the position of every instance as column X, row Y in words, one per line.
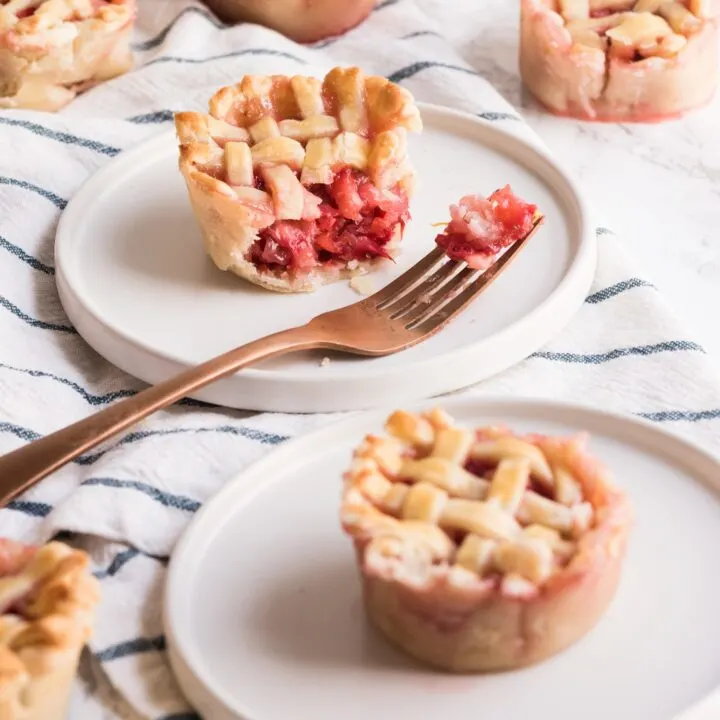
column 26, row 466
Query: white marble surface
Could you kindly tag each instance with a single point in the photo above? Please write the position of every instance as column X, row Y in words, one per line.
column 658, row 186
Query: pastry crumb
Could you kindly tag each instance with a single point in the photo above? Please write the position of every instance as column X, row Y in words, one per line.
column 325, row 362
column 362, row 285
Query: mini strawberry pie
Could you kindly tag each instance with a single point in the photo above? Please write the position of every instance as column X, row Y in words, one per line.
column 47, row 602
column 296, row 182
column 481, row 228
column 50, row 50
column 482, row 550
column 620, row 60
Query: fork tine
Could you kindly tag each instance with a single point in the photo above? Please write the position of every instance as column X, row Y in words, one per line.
column 407, row 280
column 449, row 304
column 449, row 290
column 421, row 295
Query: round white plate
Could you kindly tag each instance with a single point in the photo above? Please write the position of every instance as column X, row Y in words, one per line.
column 135, row 282
column 263, row 612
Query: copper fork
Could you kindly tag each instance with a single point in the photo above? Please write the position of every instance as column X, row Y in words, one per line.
column 410, row 309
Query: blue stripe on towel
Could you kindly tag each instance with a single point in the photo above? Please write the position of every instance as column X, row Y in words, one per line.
column 421, row 33
column 120, row 560
column 681, row 415
column 131, row 647
column 411, row 70
column 385, row 4
column 159, row 116
column 179, row 502
column 30, row 507
column 598, row 358
column 19, row 253
column 47, row 194
column 34, row 322
column 62, row 137
column 249, row 433
column 496, row 116
column 621, row 287
column 92, row 398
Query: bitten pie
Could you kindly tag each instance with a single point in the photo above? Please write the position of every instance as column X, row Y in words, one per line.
column 50, row 50
column 480, row 227
column 297, row 182
column 47, row 603
column 482, row 550
column 620, row 60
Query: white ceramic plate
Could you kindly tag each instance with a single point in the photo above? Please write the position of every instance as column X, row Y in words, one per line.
column 263, row 612
column 135, row 281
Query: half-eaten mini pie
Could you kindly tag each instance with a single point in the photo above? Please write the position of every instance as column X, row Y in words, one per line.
column 47, row 603
column 482, row 550
column 296, row 181
column 50, row 50
column 481, row 228
column 620, row 60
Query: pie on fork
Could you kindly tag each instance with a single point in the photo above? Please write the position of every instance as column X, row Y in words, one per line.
column 482, row 227
column 296, row 181
column 50, row 50
column 619, row 60
column 47, row 603
column 482, row 550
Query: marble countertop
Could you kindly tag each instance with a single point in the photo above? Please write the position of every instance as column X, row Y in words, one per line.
column 658, row 186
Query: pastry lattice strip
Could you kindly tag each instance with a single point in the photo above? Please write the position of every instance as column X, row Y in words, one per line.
column 417, row 476
column 314, row 127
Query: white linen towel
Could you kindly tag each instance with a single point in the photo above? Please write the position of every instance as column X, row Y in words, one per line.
column 623, row 351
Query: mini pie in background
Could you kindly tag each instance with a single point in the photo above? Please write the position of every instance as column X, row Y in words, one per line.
column 620, row 60
column 482, row 550
column 295, row 181
column 47, row 605
column 51, row 50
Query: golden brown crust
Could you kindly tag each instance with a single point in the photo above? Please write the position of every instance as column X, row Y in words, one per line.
column 417, row 591
column 48, row 610
column 62, row 49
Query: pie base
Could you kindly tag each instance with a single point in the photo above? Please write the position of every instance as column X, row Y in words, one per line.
column 575, row 81
column 490, row 633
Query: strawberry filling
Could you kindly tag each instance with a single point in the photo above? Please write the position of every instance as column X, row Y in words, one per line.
column 355, row 221
column 480, row 228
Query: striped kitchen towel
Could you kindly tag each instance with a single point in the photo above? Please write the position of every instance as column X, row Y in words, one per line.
column 623, row 351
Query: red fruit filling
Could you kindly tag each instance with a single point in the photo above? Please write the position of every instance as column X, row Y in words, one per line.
column 356, row 222
column 480, row 228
